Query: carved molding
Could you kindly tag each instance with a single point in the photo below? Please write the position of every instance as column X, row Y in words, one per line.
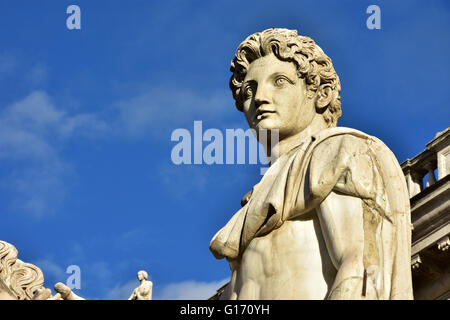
column 416, row 261
column 23, row 279
column 444, row 243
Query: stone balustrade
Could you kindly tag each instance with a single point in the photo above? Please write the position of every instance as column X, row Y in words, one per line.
column 435, row 156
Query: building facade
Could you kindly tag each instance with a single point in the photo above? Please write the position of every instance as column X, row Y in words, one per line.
column 428, row 180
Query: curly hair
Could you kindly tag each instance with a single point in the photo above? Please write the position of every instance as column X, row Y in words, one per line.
column 311, row 62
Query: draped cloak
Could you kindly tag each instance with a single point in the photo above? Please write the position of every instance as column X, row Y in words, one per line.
column 346, row 161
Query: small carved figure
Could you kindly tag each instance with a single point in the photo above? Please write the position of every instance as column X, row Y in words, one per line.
column 144, row 291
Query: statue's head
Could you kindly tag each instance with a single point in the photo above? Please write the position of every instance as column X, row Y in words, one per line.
column 283, row 81
column 142, row 275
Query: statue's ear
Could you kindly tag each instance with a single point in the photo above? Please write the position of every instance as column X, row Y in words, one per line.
column 323, row 97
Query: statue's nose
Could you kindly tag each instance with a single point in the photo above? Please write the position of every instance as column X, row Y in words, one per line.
column 261, row 97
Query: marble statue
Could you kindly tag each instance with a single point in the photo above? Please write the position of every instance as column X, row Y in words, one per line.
column 18, row 280
column 330, row 218
column 144, row 291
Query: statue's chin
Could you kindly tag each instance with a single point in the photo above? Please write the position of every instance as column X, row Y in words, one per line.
column 266, row 124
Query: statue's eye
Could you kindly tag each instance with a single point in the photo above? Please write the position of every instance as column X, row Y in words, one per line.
column 248, row 92
column 280, row 81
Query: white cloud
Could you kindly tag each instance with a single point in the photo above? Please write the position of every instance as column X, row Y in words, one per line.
column 188, row 290
column 37, row 75
column 101, row 270
column 31, row 126
column 168, row 108
column 32, row 131
column 53, row 272
column 83, row 124
column 25, row 123
column 123, row 291
column 51, row 269
column 38, row 188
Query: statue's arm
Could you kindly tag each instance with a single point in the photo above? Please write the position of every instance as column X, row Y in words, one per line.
column 341, row 221
column 133, row 295
column 345, row 166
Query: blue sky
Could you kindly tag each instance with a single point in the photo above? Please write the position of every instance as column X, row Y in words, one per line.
column 86, row 116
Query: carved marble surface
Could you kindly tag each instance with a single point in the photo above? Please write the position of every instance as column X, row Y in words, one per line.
column 144, row 290
column 21, row 280
column 330, row 219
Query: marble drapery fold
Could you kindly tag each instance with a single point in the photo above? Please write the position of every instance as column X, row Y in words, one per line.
column 342, row 160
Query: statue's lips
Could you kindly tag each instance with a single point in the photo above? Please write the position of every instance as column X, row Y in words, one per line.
column 261, row 113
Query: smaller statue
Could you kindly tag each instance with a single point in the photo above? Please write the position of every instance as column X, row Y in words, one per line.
column 144, row 291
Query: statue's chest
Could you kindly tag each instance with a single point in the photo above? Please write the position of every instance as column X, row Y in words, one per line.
column 296, row 245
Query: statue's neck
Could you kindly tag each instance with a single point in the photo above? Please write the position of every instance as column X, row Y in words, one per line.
column 286, row 144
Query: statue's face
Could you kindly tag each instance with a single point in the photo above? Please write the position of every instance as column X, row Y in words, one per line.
column 140, row 276
column 275, row 97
